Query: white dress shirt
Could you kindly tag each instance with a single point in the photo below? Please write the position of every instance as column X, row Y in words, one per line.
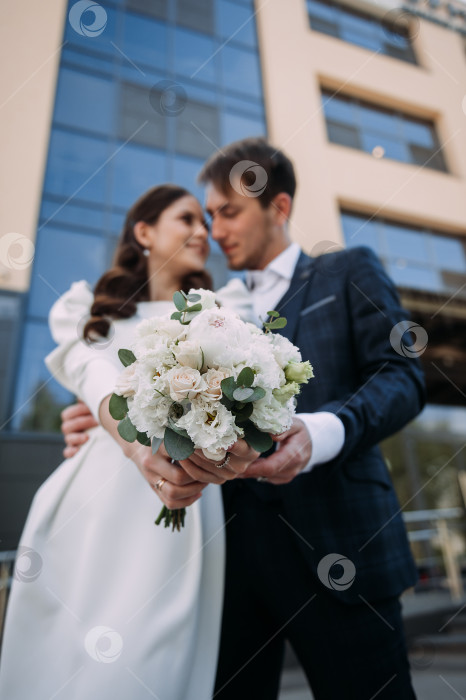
column 267, row 287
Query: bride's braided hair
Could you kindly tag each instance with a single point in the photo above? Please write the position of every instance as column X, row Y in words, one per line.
column 120, row 288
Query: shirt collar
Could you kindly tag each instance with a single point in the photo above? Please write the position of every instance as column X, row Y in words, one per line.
column 283, row 266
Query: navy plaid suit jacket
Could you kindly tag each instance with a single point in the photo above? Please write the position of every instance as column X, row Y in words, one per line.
column 341, row 308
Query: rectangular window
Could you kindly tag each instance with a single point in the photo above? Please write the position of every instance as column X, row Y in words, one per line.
column 382, row 132
column 415, row 258
column 360, row 29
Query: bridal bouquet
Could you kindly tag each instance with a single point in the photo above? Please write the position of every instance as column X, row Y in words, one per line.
column 202, row 378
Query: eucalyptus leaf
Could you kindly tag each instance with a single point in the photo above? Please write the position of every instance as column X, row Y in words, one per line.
column 118, row 406
column 241, row 416
column 156, row 442
column 127, row 430
column 192, row 309
column 277, row 323
column 126, row 357
column 273, row 314
column 143, row 439
column 194, row 297
column 259, row 441
column 176, row 316
column 258, row 393
column 228, row 403
column 245, row 377
column 243, row 393
column 179, row 300
column 177, row 446
column 228, row 386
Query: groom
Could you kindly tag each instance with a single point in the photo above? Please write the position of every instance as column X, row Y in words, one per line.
column 316, row 548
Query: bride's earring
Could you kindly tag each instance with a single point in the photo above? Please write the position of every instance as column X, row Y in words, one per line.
column 146, row 252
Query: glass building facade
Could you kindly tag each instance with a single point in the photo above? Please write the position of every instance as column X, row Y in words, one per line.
column 146, row 91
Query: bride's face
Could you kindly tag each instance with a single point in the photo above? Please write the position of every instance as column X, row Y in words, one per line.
column 178, row 241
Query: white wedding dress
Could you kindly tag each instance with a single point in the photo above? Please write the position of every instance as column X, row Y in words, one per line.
column 104, row 604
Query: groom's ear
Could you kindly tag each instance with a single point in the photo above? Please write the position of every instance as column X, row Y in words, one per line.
column 281, row 207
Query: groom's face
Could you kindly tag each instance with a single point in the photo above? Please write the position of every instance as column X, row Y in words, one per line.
column 242, row 228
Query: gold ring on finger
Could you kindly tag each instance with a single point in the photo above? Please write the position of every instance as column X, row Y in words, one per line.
column 159, row 484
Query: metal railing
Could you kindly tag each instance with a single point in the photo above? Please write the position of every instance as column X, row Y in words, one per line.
column 443, row 532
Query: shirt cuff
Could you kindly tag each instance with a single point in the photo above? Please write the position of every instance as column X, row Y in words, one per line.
column 327, row 434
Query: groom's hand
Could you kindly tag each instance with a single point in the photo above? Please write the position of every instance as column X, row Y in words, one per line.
column 75, row 421
column 287, row 462
column 239, row 457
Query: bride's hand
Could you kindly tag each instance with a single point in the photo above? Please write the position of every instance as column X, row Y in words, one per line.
column 174, row 487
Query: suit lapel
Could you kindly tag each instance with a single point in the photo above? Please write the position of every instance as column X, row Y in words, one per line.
column 293, row 300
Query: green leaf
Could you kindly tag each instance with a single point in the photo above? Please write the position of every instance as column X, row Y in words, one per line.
column 143, row 439
column 243, row 393
column 127, row 430
column 176, row 316
column 126, row 356
column 194, row 297
column 259, row 393
column 273, row 314
column 178, row 446
column 179, row 299
column 228, row 403
column 278, row 323
column 193, row 309
column 228, row 386
column 118, row 406
column 156, row 442
column 259, row 441
column 242, row 415
column 245, row 377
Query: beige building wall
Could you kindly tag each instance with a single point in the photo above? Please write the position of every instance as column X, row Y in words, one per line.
column 297, row 61
column 30, row 45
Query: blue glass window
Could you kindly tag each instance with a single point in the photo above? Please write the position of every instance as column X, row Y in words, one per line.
column 94, row 31
column 77, row 166
column 39, row 398
column 236, row 23
column 241, row 71
column 144, row 41
column 360, row 29
column 184, row 172
column 415, row 258
column 358, row 124
column 85, row 102
column 81, row 256
column 236, row 127
column 195, row 55
column 71, row 213
column 135, row 169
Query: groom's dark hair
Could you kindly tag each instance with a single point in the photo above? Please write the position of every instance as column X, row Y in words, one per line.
column 279, row 171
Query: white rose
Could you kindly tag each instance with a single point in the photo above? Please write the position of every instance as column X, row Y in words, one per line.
column 213, row 379
column 185, row 383
column 127, row 383
column 188, row 353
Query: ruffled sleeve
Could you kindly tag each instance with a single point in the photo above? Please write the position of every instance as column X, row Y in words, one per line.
column 236, row 296
column 88, row 372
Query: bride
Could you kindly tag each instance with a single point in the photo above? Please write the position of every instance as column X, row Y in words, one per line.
column 104, row 604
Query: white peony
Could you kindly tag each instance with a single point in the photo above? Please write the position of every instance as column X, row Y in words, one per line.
column 222, row 336
column 207, row 298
